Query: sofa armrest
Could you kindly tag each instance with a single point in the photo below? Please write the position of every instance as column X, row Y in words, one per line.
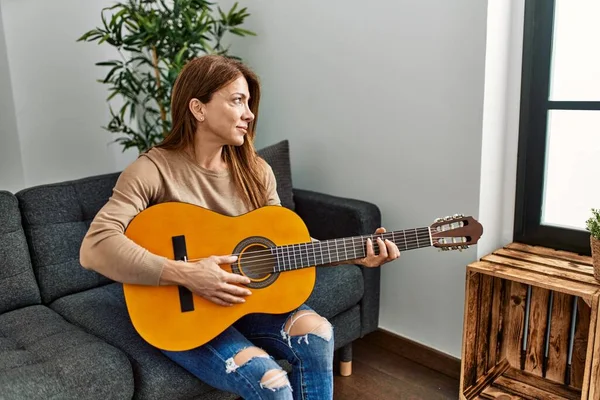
column 329, row 217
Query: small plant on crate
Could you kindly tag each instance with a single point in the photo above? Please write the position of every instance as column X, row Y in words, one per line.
column 593, row 225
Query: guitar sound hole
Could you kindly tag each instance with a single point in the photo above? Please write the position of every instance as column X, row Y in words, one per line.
column 257, row 262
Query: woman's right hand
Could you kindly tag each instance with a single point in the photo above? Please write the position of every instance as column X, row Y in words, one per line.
column 208, row 280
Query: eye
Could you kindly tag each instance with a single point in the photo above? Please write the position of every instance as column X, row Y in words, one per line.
column 237, row 100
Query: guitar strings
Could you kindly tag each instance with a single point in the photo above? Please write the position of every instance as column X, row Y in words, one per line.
column 258, row 266
column 268, row 251
column 255, row 263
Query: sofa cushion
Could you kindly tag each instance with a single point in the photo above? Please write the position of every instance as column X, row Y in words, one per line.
column 44, row 357
column 56, row 218
column 278, row 157
column 102, row 311
column 17, row 282
column 337, row 289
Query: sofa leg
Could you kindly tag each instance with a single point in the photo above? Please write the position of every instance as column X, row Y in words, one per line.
column 346, row 360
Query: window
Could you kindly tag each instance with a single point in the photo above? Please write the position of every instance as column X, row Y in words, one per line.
column 558, row 171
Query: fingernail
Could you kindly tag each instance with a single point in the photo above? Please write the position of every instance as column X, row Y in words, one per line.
column 248, row 293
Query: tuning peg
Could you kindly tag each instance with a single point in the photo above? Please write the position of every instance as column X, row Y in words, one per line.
column 438, row 220
column 458, row 215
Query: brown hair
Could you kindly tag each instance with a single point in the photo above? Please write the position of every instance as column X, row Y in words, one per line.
column 200, row 78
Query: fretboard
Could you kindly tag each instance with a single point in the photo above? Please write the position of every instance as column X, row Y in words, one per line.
column 302, row 255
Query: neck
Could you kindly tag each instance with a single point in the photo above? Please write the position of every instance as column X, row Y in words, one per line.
column 325, row 252
column 208, row 154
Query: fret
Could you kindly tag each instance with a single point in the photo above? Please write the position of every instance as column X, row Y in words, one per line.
column 353, row 247
column 289, row 256
column 345, row 251
column 300, row 254
column 295, row 259
column 336, row 250
column 405, row 244
column 321, row 246
column 417, row 237
column 277, row 263
column 425, row 239
column 407, row 239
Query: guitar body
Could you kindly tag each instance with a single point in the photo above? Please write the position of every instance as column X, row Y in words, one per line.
column 156, row 311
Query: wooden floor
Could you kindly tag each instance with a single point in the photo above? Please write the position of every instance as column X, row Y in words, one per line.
column 382, row 375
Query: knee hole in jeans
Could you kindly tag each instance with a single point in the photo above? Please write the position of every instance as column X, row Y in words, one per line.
column 274, row 379
column 243, row 356
column 306, row 322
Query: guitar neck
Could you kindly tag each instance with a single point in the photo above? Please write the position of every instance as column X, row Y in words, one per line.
column 303, row 255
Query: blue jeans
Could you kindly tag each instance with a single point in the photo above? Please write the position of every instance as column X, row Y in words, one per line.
column 310, row 355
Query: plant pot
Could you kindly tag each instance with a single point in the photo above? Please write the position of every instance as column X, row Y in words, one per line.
column 595, row 244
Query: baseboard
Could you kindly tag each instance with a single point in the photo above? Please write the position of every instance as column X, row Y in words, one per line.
column 426, row 356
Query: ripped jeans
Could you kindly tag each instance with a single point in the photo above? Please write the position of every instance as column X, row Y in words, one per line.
column 311, row 357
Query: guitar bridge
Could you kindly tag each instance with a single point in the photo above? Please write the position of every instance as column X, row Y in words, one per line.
column 186, row 299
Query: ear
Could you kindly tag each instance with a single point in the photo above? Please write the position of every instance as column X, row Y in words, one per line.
column 198, row 109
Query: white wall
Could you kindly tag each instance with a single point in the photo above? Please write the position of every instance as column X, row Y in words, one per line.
column 383, row 101
column 11, row 167
column 500, row 122
column 60, row 108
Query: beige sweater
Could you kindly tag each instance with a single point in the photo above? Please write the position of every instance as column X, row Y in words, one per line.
column 155, row 177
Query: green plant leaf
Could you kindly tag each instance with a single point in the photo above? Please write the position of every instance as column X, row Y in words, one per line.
column 179, row 30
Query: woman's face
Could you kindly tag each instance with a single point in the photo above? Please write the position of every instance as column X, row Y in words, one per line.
column 227, row 115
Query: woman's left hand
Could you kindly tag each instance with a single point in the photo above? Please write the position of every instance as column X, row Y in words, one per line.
column 388, row 251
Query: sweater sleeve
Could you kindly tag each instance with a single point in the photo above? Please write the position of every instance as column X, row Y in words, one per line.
column 105, row 248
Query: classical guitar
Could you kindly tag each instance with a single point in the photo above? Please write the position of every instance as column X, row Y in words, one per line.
column 274, row 250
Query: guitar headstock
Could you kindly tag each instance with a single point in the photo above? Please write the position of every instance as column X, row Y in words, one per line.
column 456, row 232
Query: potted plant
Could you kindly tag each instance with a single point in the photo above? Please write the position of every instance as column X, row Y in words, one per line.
column 593, row 225
column 154, row 40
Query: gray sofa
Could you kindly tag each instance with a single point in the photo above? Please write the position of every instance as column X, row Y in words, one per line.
column 65, row 331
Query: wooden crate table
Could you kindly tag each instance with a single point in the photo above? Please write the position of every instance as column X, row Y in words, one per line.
column 496, row 363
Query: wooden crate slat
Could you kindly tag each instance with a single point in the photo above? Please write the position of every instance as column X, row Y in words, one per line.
column 581, row 268
column 580, row 345
column 493, row 393
column 594, row 388
column 559, row 337
column 548, row 386
column 537, row 330
column 589, row 356
column 562, row 269
column 495, row 354
column 485, row 380
column 527, row 390
column 486, row 286
column 515, row 318
column 585, row 291
column 546, row 252
column 469, row 369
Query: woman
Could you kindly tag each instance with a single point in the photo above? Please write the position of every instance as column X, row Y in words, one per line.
column 209, row 160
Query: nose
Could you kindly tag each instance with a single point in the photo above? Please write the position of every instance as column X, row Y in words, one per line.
column 248, row 116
